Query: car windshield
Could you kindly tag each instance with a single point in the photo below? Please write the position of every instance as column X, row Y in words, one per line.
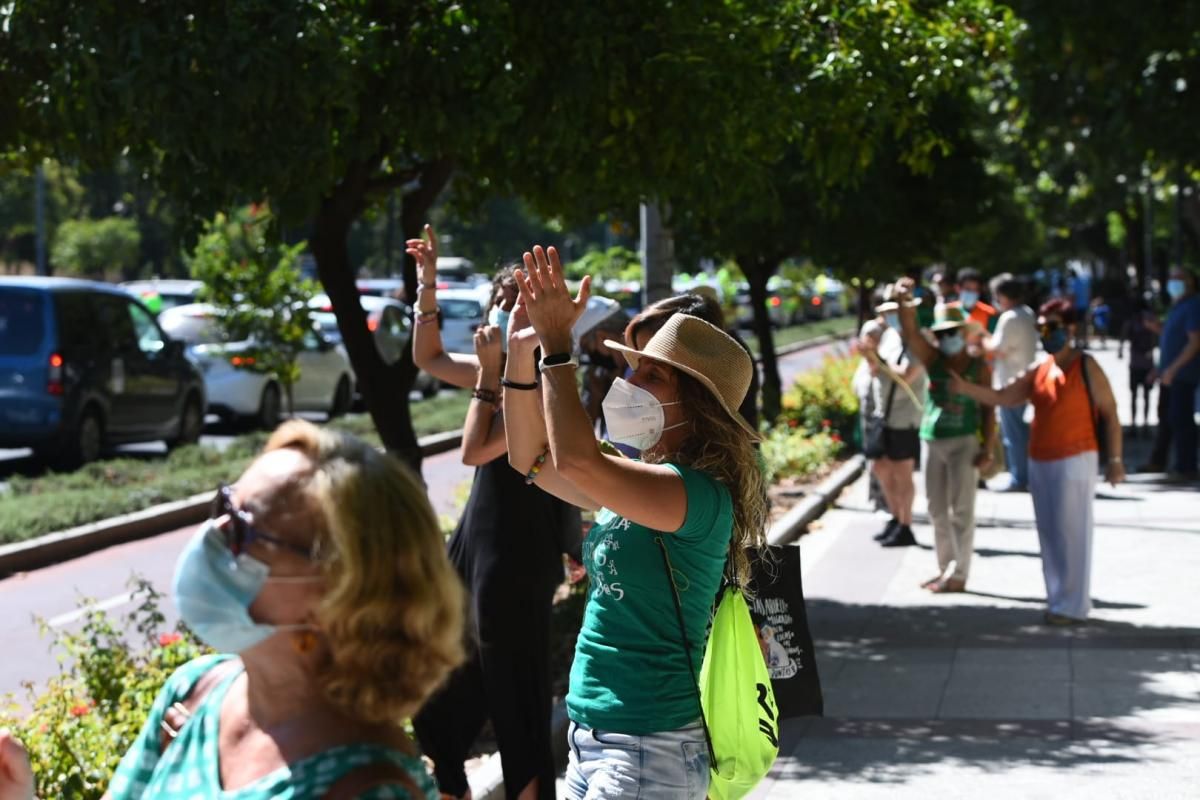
column 460, row 309
column 22, row 322
column 192, row 329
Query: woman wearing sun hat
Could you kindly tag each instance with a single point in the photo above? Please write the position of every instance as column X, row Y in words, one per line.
column 958, row 433
column 898, row 385
column 636, row 724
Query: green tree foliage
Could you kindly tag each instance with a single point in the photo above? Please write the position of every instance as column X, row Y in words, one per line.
column 95, row 248
column 65, row 199
column 259, row 291
column 616, row 264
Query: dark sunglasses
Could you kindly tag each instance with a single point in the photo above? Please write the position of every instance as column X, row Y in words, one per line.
column 949, row 332
column 1047, row 328
column 239, row 531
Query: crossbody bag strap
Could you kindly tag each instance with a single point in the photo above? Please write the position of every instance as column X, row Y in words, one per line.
column 687, row 650
column 1087, row 387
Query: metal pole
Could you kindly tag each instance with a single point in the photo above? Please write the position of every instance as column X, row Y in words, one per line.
column 1177, row 232
column 1148, row 236
column 39, row 219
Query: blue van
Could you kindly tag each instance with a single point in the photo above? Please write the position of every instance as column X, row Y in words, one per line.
column 84, row 366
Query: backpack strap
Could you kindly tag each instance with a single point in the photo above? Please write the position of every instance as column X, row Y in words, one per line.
column 687, row 650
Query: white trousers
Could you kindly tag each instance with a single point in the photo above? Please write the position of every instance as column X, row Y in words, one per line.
column 950, row 483
column 1063, row 497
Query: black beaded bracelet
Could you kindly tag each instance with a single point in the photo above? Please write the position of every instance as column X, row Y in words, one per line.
column 524, row 387
column 486, row 395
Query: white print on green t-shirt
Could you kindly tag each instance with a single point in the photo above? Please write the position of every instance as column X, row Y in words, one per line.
column 602, row 567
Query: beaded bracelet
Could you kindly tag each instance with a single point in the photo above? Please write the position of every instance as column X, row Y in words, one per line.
column 538, row 463
column 486, row 395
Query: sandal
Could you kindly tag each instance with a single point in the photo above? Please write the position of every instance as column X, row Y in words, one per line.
column 932, row 582
column 949, row 586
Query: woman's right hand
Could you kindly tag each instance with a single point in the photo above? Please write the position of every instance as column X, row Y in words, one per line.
column 425, row 253
column 16, row 775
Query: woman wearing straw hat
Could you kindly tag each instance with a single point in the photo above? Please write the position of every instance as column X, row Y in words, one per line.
column 898, row 384
column 952, row 426
column 636, row 723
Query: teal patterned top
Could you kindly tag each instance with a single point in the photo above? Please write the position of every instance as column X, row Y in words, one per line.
column 188, row 769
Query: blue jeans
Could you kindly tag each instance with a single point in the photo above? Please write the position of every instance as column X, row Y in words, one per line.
column 1015, row 433
column 671, row 764
column 1181, row 410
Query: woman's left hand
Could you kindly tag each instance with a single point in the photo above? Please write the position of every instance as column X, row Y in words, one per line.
column 552, row 311
column 984, row 459
column 1114, row 473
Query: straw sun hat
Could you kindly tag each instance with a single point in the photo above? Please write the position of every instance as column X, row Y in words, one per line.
column 705, row 352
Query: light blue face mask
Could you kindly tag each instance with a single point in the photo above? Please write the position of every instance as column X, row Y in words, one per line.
column 968, row 299
column 213, row 591
column 952, row 345
column 1176, row 288
column 893, row 320
column 499, row 317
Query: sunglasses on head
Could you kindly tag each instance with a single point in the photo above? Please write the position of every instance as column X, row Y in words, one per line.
column 239, row 531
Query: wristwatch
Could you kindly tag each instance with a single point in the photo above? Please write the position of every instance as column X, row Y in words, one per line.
column 557, row 360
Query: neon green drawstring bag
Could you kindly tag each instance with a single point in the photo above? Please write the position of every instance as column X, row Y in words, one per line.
column 741, row 720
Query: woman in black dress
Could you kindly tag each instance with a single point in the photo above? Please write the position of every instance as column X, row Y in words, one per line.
column 507, row 548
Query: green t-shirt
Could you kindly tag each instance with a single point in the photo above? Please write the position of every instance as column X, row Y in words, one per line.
column 946, row 414
column 630, row 673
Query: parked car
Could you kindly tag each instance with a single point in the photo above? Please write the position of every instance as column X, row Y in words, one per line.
column 237, row 392
column 462, row 313
column 782, row 304
column 83, row 366
column 159, row 295
column 390, row 321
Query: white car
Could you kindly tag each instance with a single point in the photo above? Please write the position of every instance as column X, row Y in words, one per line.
column 160, row 295
column 390, row 322
column 462, row 313
column 238, row 392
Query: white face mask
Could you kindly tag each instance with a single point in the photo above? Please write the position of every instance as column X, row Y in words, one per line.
column 634, row 416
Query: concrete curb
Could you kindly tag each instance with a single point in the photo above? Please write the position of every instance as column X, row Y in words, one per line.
column 792, row 524
column 74, row 542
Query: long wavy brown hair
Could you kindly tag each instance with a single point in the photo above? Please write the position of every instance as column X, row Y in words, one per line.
column 722, row 449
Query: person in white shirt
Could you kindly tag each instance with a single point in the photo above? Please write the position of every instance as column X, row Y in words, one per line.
column 1013, row 347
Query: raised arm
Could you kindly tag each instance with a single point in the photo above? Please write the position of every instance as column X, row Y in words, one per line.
column 1016, row 393
column 456, row 369
column 916, row 343
column 483, row 434
column 651, row 495
column 524, row 426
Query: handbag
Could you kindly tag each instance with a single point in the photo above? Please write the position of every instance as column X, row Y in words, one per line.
column 734, row 692
column 779, row 613
column 1099, row 424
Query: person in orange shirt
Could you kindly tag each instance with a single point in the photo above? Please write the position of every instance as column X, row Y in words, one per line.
column 981, row 317
column 1069, row 391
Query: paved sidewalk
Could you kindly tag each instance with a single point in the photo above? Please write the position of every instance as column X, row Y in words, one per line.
column 947, row 696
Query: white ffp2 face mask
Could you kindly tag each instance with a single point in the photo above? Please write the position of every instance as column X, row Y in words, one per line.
column 634, row 416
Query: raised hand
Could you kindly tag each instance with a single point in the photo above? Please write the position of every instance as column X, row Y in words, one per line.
column 488, row 350
column 904, row 290
column 551, row 309
column 522, row 338
column 425, row 252
column 16, row 776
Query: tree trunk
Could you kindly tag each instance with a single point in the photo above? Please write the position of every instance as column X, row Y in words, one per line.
column 658, row 254
column 384, row 389
column 758, row 272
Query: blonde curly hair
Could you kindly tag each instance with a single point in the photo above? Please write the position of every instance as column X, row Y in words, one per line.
column 392, row 613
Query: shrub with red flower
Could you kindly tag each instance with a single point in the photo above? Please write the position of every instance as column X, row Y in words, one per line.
column 168, row 639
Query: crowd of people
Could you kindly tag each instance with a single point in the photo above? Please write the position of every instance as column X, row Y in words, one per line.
column 322, row 580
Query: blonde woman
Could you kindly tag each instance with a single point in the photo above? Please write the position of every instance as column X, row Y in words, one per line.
column 322, row 582
column 636, row 723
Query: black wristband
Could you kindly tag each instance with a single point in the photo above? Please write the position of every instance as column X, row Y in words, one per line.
column 524, row 387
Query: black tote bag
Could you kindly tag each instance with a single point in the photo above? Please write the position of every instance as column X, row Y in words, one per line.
column 779, row 614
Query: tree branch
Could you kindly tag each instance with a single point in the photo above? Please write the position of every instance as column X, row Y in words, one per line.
column 393, row 180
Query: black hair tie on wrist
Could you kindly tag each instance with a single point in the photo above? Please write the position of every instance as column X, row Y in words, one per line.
column 524, row 387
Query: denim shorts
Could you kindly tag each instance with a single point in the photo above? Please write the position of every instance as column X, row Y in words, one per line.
column 602, row 764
